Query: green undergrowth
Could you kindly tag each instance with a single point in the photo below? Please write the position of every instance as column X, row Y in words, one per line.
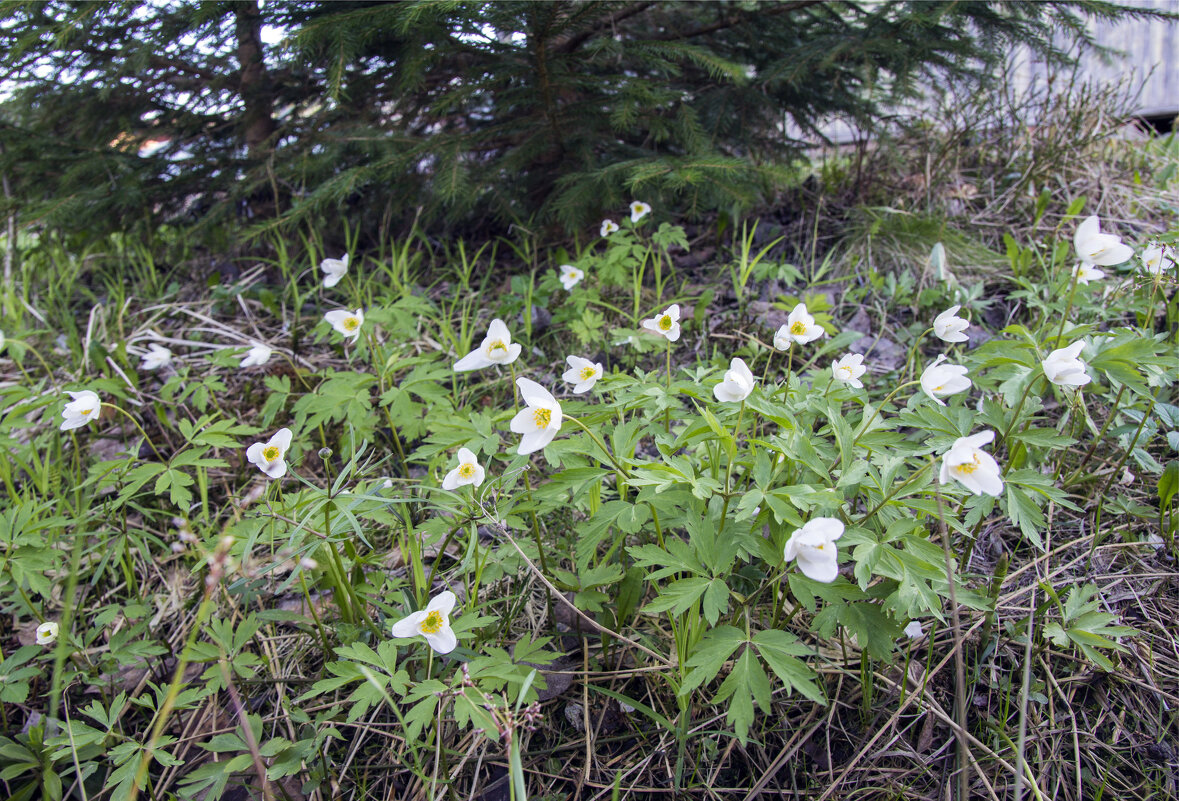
column 627, row 619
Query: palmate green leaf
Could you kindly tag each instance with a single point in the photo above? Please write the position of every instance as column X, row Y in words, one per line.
column 469, row 711
column 716, row 600
column 678, row 558
column 176, row 483
column 422, row 714
column 875, row 631
column 1121, row 357
column 745, row 684
column 780, row 651
column 710, row 655
column 1087, row 627
column 1024, row 513
column 678, row 596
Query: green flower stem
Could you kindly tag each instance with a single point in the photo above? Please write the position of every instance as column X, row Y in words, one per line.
column 729, row 468
column 37, row 353
column 872, row 419
column 667, row 412
column 598, row 441
column 327, row 649
column 893, row 494
column 1015, row 415
column 137, row 426
column 911, row 356
column 1068, row 306
column 736, row 435
column 1096, row 441
column 765, row 376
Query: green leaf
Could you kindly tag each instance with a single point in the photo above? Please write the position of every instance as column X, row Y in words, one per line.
column 716, row 600
column 745, row 684
column 1168, row 484
column 679, row 596
column 780, row 651
column 710, row 654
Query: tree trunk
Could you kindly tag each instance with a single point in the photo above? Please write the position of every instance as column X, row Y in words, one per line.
column 257, row 94
column 257, row 124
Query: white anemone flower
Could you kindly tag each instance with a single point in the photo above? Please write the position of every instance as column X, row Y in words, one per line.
column 1157, row 258
column 949, row 327
column 1064, row 367
column 257, row 355
column 1084, row 273
column 939, row 380
column 914, row 630
column 570, row 276
column 84, row 407
column 497, row 348
column 346, row 322
column 1094, row 247
column 608, row 227
column 270, row 456
column 972, row 467
column 47, row 633
column 157, row 356
column 737, row 383
column 638, row 210
column 469, row 471
column 433, row 623
column 849, row 369
column 333, row 271
column 540, row 419
column 582, row 373
column 666, row 324
column 800, row 328
column 813, row 546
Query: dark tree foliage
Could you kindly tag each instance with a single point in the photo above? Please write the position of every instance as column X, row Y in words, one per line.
column 457, row 111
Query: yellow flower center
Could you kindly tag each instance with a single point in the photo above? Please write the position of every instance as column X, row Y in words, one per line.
column 665, row 322
column 846, row 370
column 969, row 467
column 938, row 388
column 820, row 547
column 587, row 373
column 798, row 328
column 542, row 417
column 432, row 623
column 466, row 470
column 495, row 345
column 271, row 452
column 85, row 412
column 351, row 324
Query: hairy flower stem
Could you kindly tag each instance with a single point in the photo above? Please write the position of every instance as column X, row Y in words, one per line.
column 1096, row 441
column 729, row 468
column 875, row 413
column 138, row 427
column 35, row 352
column 911, row 356
column 598, row 441
column 1015, row 416
column 1068, row 306
column 667, row 411
column 893, row 494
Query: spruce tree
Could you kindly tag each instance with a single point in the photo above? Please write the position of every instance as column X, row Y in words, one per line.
column 455, row 111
